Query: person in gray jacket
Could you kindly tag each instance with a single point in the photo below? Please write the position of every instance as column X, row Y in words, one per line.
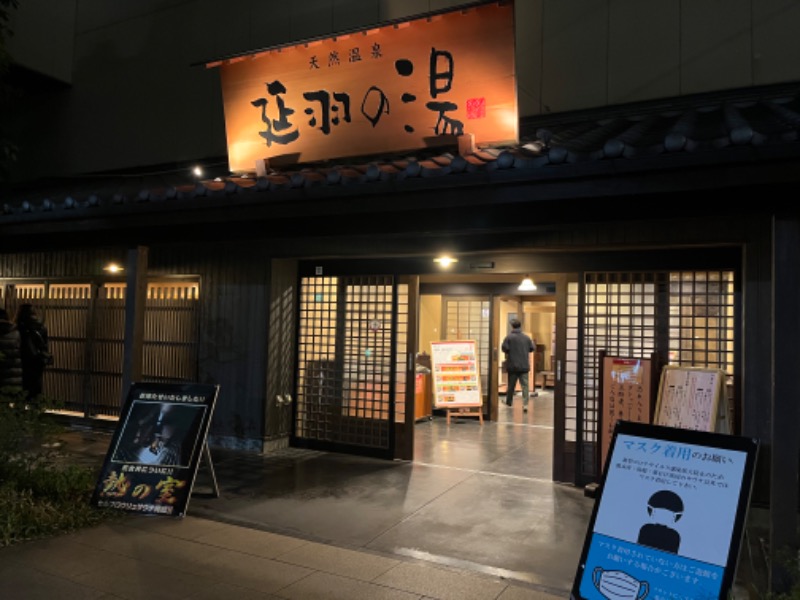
column 517, row 347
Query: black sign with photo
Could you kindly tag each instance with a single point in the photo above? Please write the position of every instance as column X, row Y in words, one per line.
column 151, row 464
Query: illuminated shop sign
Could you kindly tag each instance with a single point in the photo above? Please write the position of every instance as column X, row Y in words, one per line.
column 387, row 89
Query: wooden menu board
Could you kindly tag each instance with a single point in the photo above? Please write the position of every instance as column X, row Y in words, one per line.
column 456, row 377
column 692, row 398
column 627, row 393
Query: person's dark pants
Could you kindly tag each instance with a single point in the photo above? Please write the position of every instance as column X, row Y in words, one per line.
column 512, row 385
column 32, row 382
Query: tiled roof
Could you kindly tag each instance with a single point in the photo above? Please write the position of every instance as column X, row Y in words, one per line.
column 745, row 126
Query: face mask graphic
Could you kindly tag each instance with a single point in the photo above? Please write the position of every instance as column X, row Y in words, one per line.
column 618, row 585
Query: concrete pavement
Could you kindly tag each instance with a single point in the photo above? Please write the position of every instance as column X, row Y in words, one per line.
column 151, row 557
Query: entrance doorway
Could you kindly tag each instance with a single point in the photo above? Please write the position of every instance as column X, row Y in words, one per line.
column 537, row 314
column 362, row 359
column 687, row 317
column 511, row 442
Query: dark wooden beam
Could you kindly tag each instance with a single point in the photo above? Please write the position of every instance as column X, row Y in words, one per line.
column 135, row 300
column 785, row 398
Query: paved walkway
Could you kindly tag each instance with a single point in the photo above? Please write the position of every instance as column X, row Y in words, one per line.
column 193, row 558
column 477, row 516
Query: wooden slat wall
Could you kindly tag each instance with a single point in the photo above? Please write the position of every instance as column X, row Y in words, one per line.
column 170, row 340
column 106, row 355
column 86, row 338
column 66, row 318
column 231, row 327
column 233, row 332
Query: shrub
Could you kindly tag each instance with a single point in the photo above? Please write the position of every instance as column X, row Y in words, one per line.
column 41, row 494
column 788, row 561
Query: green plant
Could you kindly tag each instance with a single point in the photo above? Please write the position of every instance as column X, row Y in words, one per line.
column 788, row 561
column 41, row 493
column 27, row 516
column 27, row 433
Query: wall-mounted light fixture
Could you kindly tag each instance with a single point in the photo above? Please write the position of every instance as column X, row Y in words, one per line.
column 527, row 285
column 445, row 261
column 113, row 268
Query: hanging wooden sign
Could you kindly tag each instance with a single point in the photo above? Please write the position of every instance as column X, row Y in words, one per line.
column 390, row 88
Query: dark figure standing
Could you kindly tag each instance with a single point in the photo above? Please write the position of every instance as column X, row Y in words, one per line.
column 517, row 347
column 34, row 349
column 10, row 359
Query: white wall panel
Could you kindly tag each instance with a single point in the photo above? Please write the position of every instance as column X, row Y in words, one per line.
column 311, row 18
column 644, row 50
column 716, row 45
column 390, row 10
column 528, row 27
column 47, row 41
column 575, row 73
column 98, row 14
column 776, row 49
column 444, row 4
column 271, row 24
column 354, row 14
column 137, row 99
column 220, row 29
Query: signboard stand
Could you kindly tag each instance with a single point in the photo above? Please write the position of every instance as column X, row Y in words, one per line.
column 627, row 392
column 692, row 398
column 152, row 461
column 670, row 517
column 461, row 411
column 212, row 474
column 456, row 378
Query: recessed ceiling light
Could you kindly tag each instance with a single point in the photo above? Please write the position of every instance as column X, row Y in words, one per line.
column 445, row 261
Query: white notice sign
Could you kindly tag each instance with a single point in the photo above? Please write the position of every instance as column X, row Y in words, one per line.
column 691, row 398
column 670, row 516
column 456, row 378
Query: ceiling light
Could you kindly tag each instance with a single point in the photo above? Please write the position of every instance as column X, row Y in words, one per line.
column 113, row 268
column 527, row 285
column 445, row 261
column 197, row 171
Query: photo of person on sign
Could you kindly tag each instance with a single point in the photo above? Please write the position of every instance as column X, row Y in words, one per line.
column 159, row 433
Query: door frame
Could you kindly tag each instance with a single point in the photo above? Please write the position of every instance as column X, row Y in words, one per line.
column 403, row 440
column 400, row 438
column 565, row 453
